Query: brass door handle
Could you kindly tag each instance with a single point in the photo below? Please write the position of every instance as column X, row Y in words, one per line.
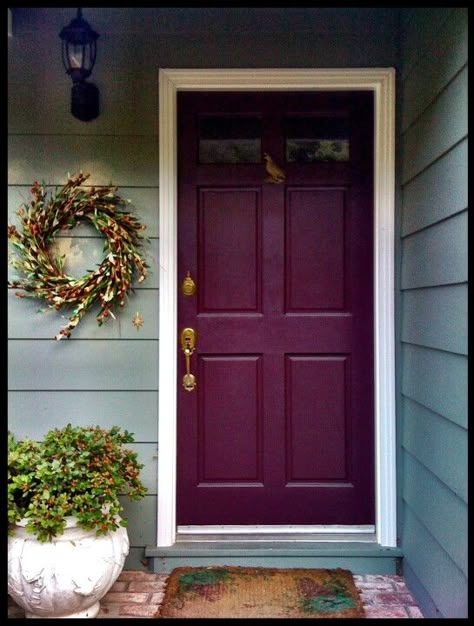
column 188, row 345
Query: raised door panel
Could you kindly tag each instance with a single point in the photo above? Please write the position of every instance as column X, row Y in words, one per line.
column 229, row 250
column 230, row 420
column 317, row 419
column 315, row 249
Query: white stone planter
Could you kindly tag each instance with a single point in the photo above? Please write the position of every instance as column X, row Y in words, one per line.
column 66, row 577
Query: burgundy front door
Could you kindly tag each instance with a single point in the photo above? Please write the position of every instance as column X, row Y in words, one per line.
column 279, row 428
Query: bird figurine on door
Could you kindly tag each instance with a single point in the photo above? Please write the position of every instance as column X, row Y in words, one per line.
column 277, row 175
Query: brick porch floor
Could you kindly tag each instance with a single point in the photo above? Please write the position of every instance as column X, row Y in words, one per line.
column 138, row 594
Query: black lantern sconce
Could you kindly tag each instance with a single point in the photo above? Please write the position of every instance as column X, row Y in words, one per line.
column 79, row 49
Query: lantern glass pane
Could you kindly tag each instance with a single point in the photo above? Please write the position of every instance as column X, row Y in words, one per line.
column 77, row 57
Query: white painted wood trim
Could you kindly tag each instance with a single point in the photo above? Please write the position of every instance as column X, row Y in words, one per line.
column 168, row 345
column 382, row 82
column 384, row 311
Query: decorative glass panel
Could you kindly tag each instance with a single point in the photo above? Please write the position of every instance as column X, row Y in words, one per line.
column 226, row 139
column 311, row 139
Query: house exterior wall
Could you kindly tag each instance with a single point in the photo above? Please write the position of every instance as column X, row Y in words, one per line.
column 433, row 407
column 109, row 375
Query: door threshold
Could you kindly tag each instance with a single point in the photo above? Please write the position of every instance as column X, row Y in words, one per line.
column 312, row 534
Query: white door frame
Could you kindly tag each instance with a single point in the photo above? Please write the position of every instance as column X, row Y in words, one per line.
column 381, row 81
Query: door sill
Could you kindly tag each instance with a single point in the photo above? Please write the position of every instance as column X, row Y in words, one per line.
column 238, row 534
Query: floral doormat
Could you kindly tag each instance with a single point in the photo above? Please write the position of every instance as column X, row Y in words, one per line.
column 247, row 592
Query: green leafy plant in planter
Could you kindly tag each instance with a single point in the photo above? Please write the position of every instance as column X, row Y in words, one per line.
column 76, row 471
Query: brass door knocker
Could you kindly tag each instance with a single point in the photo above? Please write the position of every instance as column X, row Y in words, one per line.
column 276, row 174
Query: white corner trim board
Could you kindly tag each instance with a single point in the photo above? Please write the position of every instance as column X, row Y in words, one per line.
column 382, row 82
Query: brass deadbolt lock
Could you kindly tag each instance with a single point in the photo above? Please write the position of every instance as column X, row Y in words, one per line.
column 188, row 286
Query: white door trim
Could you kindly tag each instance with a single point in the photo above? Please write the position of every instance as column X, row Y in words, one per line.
column 382, row 82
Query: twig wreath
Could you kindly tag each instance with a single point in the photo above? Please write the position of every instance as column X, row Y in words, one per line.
column 43, row 272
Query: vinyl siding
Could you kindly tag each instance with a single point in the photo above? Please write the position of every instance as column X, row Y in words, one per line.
column 82, row 408
column 437, row 193
column 436, row 379
column 436, row 317
column 440, row 572
column 433, row 408
column 104, row 375
column 433, row 440
column 436, row 255
column 109, row 375
column 441, row 126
